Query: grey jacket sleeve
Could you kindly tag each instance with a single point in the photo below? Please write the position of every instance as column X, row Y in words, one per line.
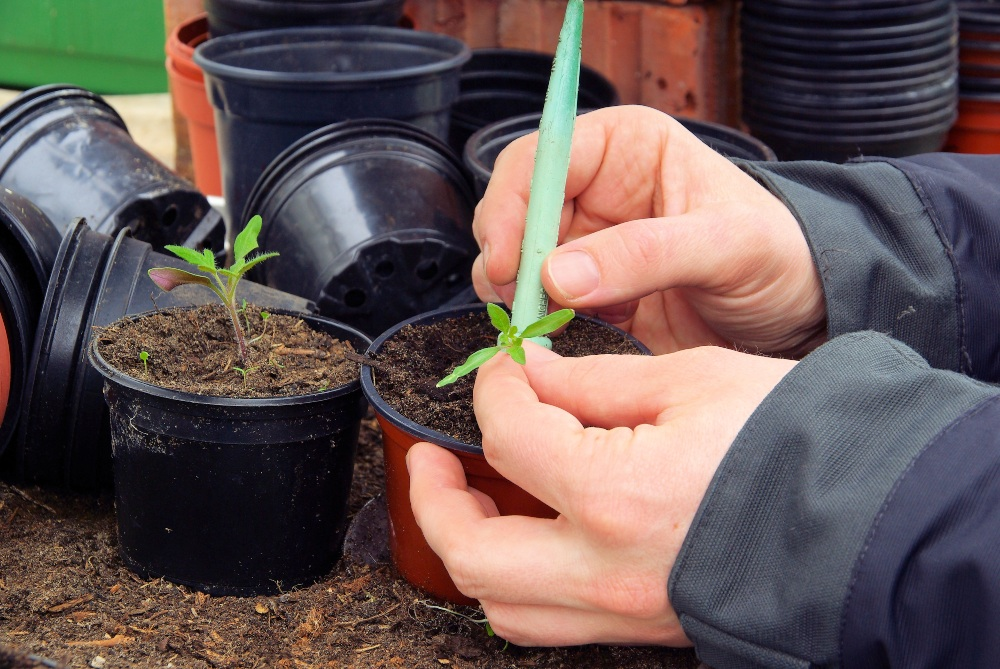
column 777, row 568
column 764, row 574
column 882, row 261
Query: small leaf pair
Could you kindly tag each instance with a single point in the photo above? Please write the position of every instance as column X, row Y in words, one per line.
column 222, row 281
column 509, row 340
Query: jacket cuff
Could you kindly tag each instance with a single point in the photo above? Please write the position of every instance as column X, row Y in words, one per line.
column 881, row 260
column 764, row 572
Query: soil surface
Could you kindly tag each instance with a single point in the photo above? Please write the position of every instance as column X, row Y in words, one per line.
column 409, row 365
column 67, row 600
column 66, row 597
column 195, row 350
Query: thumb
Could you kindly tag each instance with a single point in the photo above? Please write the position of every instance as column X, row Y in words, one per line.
column 636, row 258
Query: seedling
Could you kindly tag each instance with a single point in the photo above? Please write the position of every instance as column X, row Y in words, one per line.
column 509, row 341
column 528, row 319
column 222, row 281
column 144, row 356
column 243, row 372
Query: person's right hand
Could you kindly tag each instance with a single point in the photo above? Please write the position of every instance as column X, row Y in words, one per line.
column 660, row 235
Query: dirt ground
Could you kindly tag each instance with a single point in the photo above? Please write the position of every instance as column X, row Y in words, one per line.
column 66, row 597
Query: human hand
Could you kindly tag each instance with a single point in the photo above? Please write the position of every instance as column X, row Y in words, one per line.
column 626, row 487
column 660, row 235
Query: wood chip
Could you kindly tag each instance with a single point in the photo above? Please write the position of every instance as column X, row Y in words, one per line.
column 116, row 640
column 58, row 608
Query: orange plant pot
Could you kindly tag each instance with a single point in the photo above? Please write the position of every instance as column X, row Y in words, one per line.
column 187, row 86
column 411, row 554
column 977, row 128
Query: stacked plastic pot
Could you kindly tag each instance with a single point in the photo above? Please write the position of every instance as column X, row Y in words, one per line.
column 977, row 129
column 836, row 79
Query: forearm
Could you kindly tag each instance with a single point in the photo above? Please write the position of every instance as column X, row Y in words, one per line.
column 767, row 568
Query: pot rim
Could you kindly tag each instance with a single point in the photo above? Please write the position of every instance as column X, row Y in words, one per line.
column 453, row 52
column 387, row 412
column 114, row 375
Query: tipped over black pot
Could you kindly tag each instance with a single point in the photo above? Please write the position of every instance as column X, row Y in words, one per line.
column 373, row 221
column 68, row 151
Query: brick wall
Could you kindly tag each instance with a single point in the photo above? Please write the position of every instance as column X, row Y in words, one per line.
column 679, row 57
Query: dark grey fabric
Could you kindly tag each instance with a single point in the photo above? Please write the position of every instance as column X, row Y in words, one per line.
column 882, row 262
column 764, row 570
column 962, row 194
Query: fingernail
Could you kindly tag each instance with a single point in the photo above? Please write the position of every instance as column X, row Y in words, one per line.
column 573, row 273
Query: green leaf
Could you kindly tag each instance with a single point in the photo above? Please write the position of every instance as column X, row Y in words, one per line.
column 193, row 257
column 501, row 321
column 471, row 363
column 550, row 323
column 258, row 259
column 168, row 278
column 246, row 241
column 517, row 354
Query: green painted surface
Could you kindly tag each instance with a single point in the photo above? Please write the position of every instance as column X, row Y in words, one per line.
column 107, row 46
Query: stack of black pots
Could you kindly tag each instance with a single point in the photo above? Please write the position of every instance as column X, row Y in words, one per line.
column 836, row 79
column 979, row 48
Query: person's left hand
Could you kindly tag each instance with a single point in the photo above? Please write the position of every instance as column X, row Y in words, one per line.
column 624, row 448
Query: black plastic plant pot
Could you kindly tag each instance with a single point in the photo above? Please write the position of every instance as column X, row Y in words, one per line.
column 270, row 88
column 63, row 435
column 65, row 149
column 233, row 496
column 485, row 144
column 373, row 221
column 498, row 84
column 797, row 145
column 232, row 16
column 29, row 243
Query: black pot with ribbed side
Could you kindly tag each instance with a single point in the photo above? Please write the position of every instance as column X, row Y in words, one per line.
column 233, row 16
column 834, row 81
column 63, row 434
column 373, row 221
column 233, row 496
column 69, row 152
column 485, row 145
column 269, row 88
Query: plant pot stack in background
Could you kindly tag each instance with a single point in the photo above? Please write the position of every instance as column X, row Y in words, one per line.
column 977, row 129
column 832, row 81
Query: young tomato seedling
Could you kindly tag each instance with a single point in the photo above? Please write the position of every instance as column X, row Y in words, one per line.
column 509, row 340
column 222, row 281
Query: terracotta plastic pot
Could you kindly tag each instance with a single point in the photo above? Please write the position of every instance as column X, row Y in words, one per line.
column 233, row 496
column 411, row 554
column 63, row 435
column 187, row 87
column 977, row 128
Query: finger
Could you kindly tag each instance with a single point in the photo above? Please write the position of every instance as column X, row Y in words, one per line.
column 707, row 249
column 513, row 558
column 498, row 222
column 581, row 386
column 539, row 438
column 562, row 626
